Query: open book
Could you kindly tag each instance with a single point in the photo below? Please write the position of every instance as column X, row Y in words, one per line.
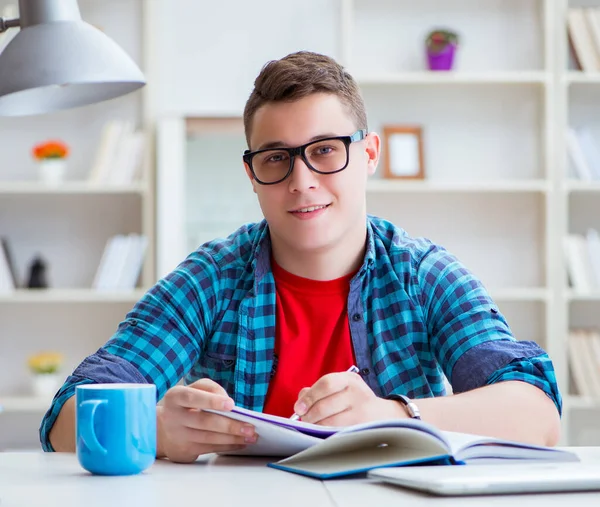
column 325, row 452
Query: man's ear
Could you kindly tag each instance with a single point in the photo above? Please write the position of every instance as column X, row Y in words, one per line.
column 373, row 150
column 250, row 177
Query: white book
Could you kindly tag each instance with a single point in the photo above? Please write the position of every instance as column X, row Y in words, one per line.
column 6, row 282
column 578, row 263
column 134, row 263
column 130, row 253
column 103, row 264
column 121, row 153
column 593, row 25
column 594, row 337
column 116, row 263
column 580, row 164
column 577, row 364
column 110, row 275
column 589, row 148
column 593, row 244
column 581, row 40
column 126, row 167
column 100, row 277
column 593, row 370
column 112, row 134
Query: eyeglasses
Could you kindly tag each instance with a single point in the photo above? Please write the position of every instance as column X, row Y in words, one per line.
column 323, row 156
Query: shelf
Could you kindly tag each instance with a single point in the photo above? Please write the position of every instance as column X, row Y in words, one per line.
column 583, row 296
column 71, row 296
column 520, row 294
column 582, row 186
column 582, row 402
column 23, row 404
column 432, row 78
column 390, row 185
column 582, row 77
column 68, row 188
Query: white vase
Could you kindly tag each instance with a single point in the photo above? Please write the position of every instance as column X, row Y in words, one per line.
column 45, row 385
column 52, row 171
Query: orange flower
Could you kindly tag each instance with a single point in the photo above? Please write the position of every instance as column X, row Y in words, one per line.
column 50, row 149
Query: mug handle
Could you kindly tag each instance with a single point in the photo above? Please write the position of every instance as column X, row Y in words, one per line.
column 88, row 408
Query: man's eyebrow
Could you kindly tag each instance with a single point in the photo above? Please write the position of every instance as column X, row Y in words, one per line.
column 281, row 144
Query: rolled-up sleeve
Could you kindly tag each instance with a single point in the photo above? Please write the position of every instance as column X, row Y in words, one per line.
column 157, row 343
column 470, row 337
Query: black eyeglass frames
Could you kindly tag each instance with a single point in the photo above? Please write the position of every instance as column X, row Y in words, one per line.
column 324, row 156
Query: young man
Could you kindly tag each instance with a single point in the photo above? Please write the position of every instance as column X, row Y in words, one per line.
column 273, row 317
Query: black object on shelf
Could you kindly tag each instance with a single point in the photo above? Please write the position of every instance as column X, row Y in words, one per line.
column 38, row 278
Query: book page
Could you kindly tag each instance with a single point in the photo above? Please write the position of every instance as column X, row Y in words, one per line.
column 359, row 451
column 280, row 436
column 273, row 440
column 466, row 447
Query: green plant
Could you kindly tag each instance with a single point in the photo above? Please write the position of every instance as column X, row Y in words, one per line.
column 45, row 362
column 437, row 40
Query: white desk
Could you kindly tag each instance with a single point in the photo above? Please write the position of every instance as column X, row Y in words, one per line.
column 29, row 479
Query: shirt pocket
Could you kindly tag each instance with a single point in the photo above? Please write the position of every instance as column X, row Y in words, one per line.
column 217, row 367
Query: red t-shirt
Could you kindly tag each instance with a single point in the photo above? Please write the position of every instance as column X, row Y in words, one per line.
column 312, row 336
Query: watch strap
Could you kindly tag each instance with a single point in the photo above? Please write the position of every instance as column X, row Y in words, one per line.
column 411, row 407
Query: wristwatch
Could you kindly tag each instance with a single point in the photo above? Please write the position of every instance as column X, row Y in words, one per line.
column 411, row 408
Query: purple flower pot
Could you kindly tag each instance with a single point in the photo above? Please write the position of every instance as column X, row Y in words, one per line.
column 442, row 60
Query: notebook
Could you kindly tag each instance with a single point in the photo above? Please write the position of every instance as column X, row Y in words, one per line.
column 326, row 452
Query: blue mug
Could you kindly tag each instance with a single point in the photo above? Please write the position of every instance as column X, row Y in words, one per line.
column 115, row 427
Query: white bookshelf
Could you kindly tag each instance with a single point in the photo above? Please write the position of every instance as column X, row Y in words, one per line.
column 577, row 106
column 69, row 226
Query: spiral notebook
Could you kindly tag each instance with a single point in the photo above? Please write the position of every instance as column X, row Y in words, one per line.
column 325, row 452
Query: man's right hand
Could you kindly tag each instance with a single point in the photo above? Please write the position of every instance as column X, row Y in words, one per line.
column 185, row 431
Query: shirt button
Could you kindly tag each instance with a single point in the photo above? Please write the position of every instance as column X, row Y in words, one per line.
column 494, row 310
column 356, row 317
column 365, row 371
column 132, row 322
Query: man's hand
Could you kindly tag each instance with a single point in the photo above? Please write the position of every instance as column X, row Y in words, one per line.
column 343, row 399
column 185, row 431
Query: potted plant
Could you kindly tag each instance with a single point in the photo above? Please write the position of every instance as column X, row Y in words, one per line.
column 44, row 367
column 51, row 156
column 441, row 47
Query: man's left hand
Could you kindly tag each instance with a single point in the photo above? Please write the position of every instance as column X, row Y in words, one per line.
column 343, row 399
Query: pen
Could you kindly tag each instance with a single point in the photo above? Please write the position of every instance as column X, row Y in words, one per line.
column 352, row 369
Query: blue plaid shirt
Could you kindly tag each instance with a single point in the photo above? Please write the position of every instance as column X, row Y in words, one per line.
column 415, row 314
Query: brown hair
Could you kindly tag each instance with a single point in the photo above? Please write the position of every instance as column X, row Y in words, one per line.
column 298, row 75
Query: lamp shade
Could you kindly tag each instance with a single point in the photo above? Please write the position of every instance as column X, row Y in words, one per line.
column 60, row 65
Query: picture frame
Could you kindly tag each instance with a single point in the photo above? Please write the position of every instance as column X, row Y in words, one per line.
column 403, row 152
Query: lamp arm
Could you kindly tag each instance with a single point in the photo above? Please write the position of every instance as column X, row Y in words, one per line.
column 5, row 24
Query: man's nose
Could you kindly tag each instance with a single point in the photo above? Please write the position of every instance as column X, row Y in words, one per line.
column 302, row 178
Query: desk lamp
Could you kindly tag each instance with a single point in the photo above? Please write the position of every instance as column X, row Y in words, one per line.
column 57, row 61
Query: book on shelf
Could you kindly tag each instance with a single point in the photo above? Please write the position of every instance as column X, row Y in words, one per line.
column 584, row 153
column 584, row 361
column 121, row 262
column 119, row 156
column 583, row 29
column 582, row 258
column 326, row 451
column 8, row 273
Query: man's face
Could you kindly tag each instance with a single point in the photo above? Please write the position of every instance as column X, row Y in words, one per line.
column 291, row 124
